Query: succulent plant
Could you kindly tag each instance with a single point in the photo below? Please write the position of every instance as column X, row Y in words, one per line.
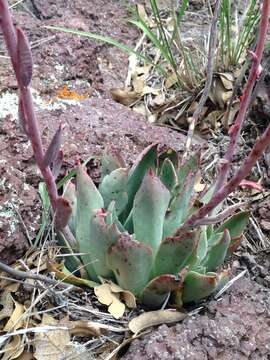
column 132, row 228
column 144, row 227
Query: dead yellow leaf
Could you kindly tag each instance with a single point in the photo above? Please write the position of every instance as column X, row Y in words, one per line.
column 227, row 80
column 127, row 296
column 26, row 356
column 143, row 15
column 153, row 318
column 9, row 285
column 229, row 115
column 159, row 100
column 213, row 118
column 199, row 186
column 140, row 109
column 52, row 344
column 111, row 295
column 7, row 303
column 15, row 321
column 37, row 259
column 171, row 80
column 13, row 348
column 84, row 328
column 62, row 273
column 124, row 96
column 107, row 297
column 218, row 94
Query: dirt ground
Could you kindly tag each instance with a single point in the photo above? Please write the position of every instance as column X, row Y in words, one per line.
column 235, row 327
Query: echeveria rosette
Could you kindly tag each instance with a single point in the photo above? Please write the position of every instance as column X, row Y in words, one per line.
column 130, row 228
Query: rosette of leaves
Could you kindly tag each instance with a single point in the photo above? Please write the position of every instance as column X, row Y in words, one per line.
column 130, row 229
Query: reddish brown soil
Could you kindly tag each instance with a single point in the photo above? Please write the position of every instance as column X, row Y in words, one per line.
column 235, row 327
column 238, row 327
column 88, row 68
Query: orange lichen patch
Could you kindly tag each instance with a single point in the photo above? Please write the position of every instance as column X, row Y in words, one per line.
column 65, row 93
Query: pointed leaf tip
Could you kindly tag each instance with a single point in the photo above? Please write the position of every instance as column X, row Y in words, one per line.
column 149, row 208
column 198, row 286
column 24, row 58
column 174, row 252
column 131, row 263
column 54, row 148
column 217, row 253
column 111, row 160
column 156, row 291
column 57, row 164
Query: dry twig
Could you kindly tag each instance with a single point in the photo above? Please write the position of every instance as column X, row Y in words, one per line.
column 210, row 70
column 30, row 275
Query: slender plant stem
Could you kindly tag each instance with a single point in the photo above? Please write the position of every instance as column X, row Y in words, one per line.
column 222, row 191
column 11, row 40
column 231, row 185
column 9, row 33
column 34, row 135
column 245, row 99
column 30, row 275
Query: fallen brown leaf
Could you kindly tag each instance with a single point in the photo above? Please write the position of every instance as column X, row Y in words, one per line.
column 153, row 318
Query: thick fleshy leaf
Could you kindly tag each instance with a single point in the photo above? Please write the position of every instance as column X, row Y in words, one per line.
column 149, row 209
column 198, row 286
column 168, row 175
column 223, row 279
column 111, row 160
column 88, row 196
column 179, row 207
column 235, row 242
column 62, row 213
column 145, row 161
column 195, row 262
column 102, row 236
column 236, row 224
column 217, row 253
column 169, row 154
column 24, row 58
column 114, row 188
column 69, row 194
column 131, row 262
column 202, row 244
column 191, row 165
column 207, row 197
column 156, row 291
column 174, row 252
column 72, row 262
column 57, row 164
column 214, row 238
column 53, row 148
column 209, row 231
column 128, row 225
column 88, row 200
column 111, row 217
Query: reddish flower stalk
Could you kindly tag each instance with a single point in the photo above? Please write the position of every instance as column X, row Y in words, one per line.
column 255, row 72
column 221, row 190
column 20, row 54
column 241, row 173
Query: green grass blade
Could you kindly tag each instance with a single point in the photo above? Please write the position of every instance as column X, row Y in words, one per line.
column 45, row 216
column 152, row 37
column 105, row 39
column 181, row 13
